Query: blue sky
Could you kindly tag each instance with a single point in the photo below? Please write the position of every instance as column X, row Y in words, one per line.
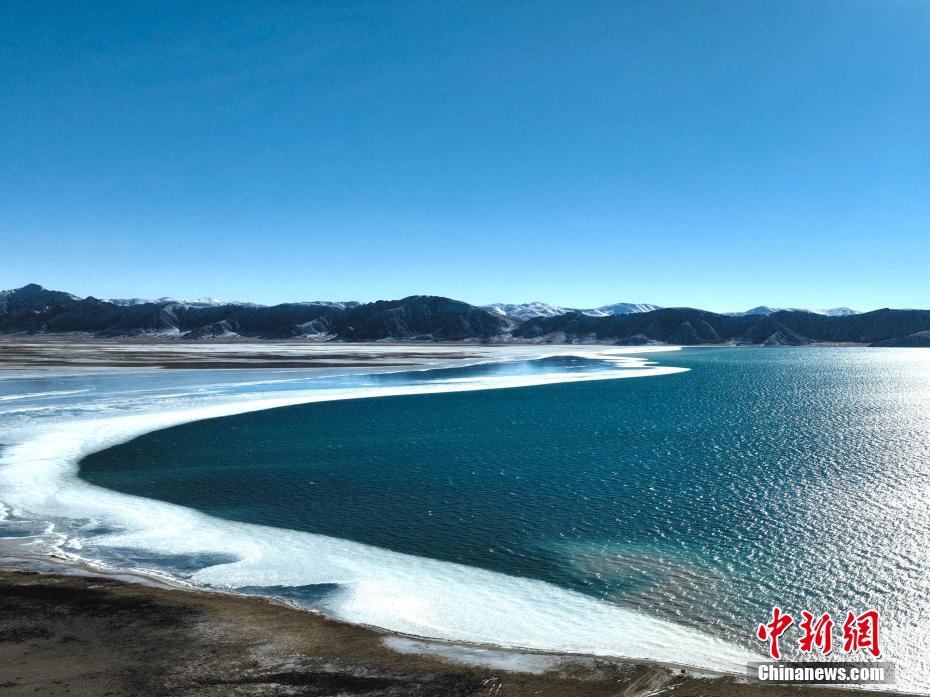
column 713, row 154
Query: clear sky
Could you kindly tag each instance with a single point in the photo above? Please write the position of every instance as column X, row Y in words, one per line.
column 712, row 154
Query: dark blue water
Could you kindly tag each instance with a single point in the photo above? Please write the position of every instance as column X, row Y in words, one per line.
column 796, row 477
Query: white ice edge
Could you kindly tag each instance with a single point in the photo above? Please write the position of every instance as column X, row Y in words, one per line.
column 407, row 594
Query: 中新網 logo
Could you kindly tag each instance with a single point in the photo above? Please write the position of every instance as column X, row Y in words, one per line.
column 860, row 632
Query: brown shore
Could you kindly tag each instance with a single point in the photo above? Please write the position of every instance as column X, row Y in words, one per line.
column 230, row 354
column 73, row 635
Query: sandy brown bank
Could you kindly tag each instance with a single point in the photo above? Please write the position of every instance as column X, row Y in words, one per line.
column 67, row 635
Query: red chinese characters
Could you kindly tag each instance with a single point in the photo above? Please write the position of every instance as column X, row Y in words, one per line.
column 774, row 629
column 861, row 633
column 819, row 633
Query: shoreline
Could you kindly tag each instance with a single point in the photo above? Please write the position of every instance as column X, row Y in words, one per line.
column 83, row 632
column 66, row 351
column 15, row 559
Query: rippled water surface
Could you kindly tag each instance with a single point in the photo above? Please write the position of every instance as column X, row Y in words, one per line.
column 760, row 476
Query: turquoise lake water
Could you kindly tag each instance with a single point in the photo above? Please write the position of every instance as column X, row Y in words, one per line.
column 796, row 477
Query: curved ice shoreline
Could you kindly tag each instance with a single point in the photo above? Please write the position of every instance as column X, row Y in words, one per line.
column 376, row 587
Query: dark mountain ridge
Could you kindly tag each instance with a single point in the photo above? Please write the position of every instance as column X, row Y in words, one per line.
column 33, row 310
column 688, row 326
column 421, row 317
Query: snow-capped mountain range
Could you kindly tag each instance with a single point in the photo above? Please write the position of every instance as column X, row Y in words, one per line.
column 34, row 310
column 216, row 302
column 521, row 311
column 540, row 309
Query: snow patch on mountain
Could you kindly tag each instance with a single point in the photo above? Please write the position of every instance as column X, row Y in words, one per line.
column 199, row 302
column 541, row 309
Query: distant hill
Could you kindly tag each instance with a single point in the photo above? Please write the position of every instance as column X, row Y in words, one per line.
column 766, row 310
column 420, row 317
column 34, row 310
